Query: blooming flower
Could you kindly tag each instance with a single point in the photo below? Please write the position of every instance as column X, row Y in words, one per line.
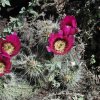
column 11, row 45
column 60, row 44
column 5, row 65
column 69, row 25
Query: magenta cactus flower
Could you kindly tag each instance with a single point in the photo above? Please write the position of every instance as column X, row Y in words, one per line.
column 60, row 44
column 11, row 45
column 5, row 65
column 69, row 25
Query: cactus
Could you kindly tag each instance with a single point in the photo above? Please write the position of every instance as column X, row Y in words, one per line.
column 14, row 88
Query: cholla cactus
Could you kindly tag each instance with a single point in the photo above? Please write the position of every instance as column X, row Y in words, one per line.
column 72, row 77
column 44, row 28
column 14, row 89
column 73, row 68
column 33, row 68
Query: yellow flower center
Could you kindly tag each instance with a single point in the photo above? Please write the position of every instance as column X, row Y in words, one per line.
column 2, row 67
column 60, row 45
column 8, row 47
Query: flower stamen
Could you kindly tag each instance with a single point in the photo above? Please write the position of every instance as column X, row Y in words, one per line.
column 2, row 67
column 60, row 45
column 8, row 47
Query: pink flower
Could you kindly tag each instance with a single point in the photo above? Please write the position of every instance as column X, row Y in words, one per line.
column 60, row 44
column 69, row 25
column 5, row 65
column 11, row 45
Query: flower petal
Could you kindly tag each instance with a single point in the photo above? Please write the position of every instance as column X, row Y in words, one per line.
column 60, row 37
column 48, row 49
column 7, row 63
column 15, row 41
column 69, row 25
